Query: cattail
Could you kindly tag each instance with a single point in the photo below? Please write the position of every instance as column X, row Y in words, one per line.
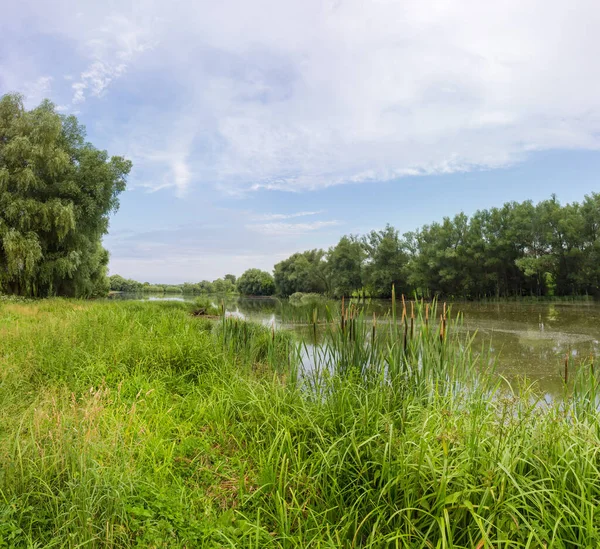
column 412, row 320
column 374, row 327
column 566, row 368
column 442, row 328
column 426, row 314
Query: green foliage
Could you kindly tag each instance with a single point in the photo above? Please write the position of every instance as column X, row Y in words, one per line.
column 386, row 263
column 302, row 272
column 518, row 250
column 220, row 286
column 56, row 195
column 204, row 306
column 345, row 266
column 134, row 424
column 120, row 284
column 223, row 286
column 300, row 298
column 256, row 282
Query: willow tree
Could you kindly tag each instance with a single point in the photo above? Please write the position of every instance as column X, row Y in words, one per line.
column 56, row 194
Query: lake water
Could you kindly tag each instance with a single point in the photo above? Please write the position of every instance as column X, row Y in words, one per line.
column 529, row 339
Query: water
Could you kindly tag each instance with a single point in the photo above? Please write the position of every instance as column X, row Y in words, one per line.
column 525, row 339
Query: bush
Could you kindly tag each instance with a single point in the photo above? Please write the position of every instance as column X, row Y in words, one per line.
column 204, row 306
column 256, row 282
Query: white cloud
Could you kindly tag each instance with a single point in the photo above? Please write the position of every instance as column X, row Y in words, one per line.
column 305, row 94
column 114, row 45
column 36, row 90
column 277, row 216
column 279, row 229
column 169, row 157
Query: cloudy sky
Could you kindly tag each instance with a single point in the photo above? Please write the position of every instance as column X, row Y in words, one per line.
column 258, row 128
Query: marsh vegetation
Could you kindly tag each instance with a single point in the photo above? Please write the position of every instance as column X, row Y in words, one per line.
column 137, row 424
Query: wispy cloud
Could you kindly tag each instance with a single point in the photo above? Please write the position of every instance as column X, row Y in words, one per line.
column 115, row 46
column 278, row 216
column 38, row 89
column 317, row 93
column 276, row 229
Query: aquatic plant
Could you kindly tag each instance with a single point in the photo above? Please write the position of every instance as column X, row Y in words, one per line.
column 129, row 424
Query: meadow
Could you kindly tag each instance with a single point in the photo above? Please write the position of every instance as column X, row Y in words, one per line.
column 139, row 424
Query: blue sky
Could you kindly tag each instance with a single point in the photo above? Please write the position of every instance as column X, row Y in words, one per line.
column 262, row 128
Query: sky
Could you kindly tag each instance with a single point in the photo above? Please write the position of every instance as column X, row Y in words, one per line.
column 259, row 128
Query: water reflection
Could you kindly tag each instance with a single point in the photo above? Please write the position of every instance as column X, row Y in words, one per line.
column 525, row 339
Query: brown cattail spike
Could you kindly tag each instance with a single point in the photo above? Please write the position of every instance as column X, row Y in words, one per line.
column 374, row 328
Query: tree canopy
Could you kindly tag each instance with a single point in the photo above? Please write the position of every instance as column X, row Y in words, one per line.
column 302, row 272
column 256, row 282
column 56, row 194
column 519, row 249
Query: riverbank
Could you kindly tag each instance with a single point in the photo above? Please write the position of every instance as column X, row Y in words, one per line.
column 137, row 424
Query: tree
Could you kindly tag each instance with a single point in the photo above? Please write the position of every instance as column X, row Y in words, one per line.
column 302, row 272
column 223, row 286
column 588, row 277
column 344, row 266
column 256, row 282
column 56, row 195
column 205, row 287
column 190, row 288
column 119, row 284
column 386, row 262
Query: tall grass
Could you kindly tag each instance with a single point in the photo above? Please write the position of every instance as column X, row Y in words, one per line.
column 136, row 424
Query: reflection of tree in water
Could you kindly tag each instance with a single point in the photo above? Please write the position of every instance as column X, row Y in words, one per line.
column 254, row 306
column 553, row 313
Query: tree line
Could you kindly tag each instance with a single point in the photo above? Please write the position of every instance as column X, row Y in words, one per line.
column 225, row 285
column 519, row 249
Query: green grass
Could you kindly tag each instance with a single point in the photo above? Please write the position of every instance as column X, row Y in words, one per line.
column 136, row 424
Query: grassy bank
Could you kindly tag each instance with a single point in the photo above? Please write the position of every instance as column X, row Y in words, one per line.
column 139, row 425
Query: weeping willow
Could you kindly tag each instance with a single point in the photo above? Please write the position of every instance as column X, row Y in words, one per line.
column 56, row 194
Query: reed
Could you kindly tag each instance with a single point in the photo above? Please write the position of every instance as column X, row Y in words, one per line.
column 139, row 425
